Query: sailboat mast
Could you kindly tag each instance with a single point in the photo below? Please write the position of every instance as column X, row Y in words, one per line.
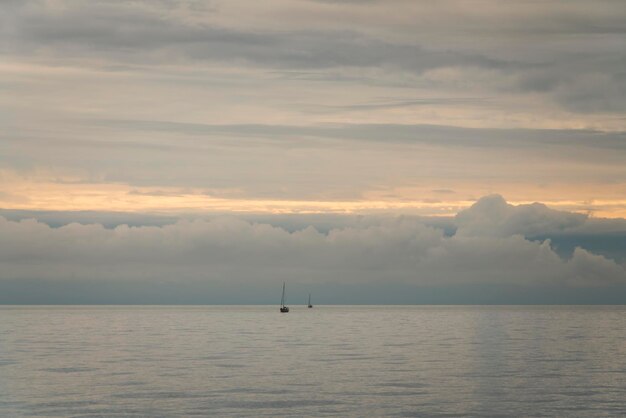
column 282, row 299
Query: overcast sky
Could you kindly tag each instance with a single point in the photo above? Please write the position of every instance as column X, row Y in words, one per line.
column 340, row 142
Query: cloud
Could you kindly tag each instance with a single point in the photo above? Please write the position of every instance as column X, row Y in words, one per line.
column 492, row 215
column 227, row 252
column 319, row 162
column 384, row 133
column 299, row 101
column 570, row 51
column 567, row 232
column 143, row 32
column 303, row 100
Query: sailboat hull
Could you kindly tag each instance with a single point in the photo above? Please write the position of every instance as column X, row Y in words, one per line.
column 284, row 309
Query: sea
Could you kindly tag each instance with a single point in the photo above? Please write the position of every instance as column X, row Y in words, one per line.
column 339, row 361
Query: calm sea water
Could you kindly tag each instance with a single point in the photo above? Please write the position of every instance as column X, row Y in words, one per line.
column 327, row 361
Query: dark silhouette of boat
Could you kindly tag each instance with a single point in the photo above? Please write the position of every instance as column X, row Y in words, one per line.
column 310, row 306
column 283, row 307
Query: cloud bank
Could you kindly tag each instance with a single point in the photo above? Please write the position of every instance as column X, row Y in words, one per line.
column 489, row 248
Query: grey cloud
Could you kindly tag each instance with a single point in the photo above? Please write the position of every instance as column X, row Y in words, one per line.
column 586, row 82
column 570, row 51
column 142, row 33
column 606, row 237
column 430, row 102
column 57, row 219
column 403, row 133
column 228, row 252
column 281, row 161
column 567, row 232
column 595, row 92
column 291, row 222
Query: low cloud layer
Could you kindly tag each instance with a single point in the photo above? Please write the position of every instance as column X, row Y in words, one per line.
column 489, row 248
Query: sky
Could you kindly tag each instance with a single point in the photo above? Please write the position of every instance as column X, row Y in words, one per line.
column 368, row 151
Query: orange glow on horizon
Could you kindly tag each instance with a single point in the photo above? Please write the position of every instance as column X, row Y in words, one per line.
column 124, row 198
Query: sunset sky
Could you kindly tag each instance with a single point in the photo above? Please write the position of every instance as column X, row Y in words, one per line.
column 312, row 115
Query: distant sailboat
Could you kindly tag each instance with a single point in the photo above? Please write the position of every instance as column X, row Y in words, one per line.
column 283, row 308
column 310, row 306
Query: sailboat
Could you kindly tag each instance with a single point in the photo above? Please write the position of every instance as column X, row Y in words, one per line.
column 283, row 307
column 310, row 306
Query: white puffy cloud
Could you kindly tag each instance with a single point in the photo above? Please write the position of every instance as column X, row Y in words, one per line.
column 492, row 215
column 488, row 248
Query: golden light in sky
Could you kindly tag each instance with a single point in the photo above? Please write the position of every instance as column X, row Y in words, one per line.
column 229, row 143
